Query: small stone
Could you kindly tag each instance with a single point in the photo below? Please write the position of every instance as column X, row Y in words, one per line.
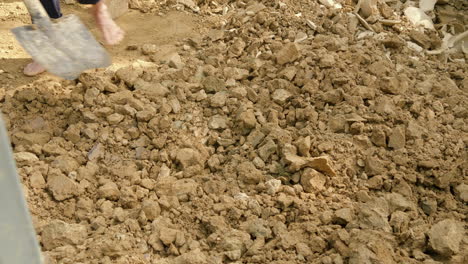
column 96, row 152
column 303, row 249
column 258, row 162
column 326, row 217
column 217, row 122
column 37, row 180
column 233, row 254
column 281, row 96
column 272, row 186
column 119, row 214
column 219, row 99
column 424, row 87
column 445, row 237
column 398, row 202
column 65, row 163
column 195, row 256
column 397, row 139
column 152, row 90
column 167, row 235
column 2, row 93
column 313, row 181
column 379, row 138
column 343, row 216
column 247, row 120
column 175, row 61
column 239, row 92
column 321, row 164
column 237, row 47
column 393, row 85
column 393, row 42
column 104, row 111
column 213, row 84
column 188, row 157
column 462, row 192
column 327, row 61
column 414, row 130
column 115, row 118
column 58, row 233
column 144, row 115
column 255, row 137
column 72, row 133
column 337, row 124
column 303, row 146
column 248, row 173
column 332, row 97
column 429, row 206
column 151, row 209
column 25, row 157
column 110, row 191
column 235, row 73
column 289, row 73
column 148, row 49
column 356, row 128
column 399, row 221
column 129, row 75
column 267, row 149
column 373, row 166
column 175, row 105
column 289, row 53
column 61, row 186
column 148, row 183
column 300, row 36
column 420, row 38
column 375, row 182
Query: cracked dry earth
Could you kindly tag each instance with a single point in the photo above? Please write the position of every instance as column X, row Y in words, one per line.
column 248, row 132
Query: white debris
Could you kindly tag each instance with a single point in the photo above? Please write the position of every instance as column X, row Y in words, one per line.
column 427, row 5
column 452, row 44
column 414, row 46
column 365, row 34
column 311, row 24
column 331, row 3
column 418, row 18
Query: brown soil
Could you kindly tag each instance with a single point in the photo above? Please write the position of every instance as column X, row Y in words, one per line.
column 240, row 133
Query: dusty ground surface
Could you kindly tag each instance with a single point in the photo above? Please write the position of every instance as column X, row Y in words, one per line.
column 248, row 132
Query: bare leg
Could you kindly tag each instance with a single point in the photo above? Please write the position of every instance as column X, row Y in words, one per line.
column 111, row 32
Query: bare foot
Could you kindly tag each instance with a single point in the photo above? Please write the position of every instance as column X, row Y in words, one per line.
column 33, row 69
column 111, row 32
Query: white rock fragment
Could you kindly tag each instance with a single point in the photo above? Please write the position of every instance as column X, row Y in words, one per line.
column 331, row 3
column 414, row 46
column 301, row 36
column 273, row 186
column 26, row 157
column 427, row 5
column 418, row 18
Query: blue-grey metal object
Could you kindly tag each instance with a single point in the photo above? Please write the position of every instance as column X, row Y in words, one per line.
column 18, row 243
column 65, row 48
